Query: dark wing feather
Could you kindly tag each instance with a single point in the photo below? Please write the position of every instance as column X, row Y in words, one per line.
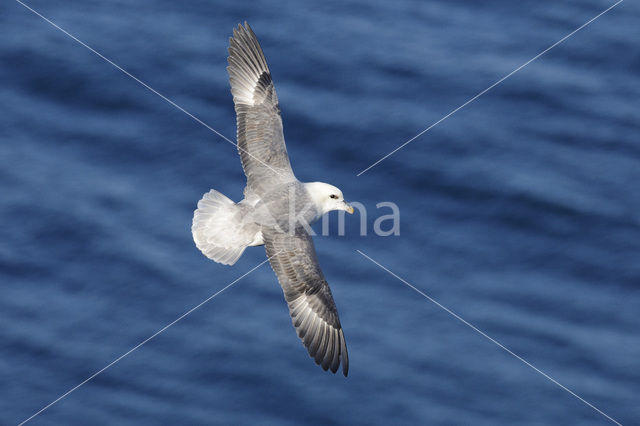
column 260, row 137
column 313, row 311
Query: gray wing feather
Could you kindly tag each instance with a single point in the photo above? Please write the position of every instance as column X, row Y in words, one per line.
column 260, row 136
column 313, row 311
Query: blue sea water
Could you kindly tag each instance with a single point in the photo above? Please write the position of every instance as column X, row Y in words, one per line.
column 520, row 213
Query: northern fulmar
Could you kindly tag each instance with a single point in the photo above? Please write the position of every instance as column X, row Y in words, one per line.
column 277, row 208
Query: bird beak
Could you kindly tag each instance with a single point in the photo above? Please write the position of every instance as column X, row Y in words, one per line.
column 348, row 208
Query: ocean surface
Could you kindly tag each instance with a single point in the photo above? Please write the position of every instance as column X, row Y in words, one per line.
column 520, row 213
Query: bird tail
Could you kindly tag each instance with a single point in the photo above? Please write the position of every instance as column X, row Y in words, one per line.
column 218, row 228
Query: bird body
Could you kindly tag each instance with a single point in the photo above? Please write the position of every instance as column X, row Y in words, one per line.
column 277, row 209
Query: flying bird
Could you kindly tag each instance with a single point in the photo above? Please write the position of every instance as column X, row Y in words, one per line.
column 277, row 208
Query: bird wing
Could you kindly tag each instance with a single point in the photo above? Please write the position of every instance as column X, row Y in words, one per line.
column 313, row 311
column 260, row 138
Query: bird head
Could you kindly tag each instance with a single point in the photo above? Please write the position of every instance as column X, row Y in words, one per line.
column 327, row 197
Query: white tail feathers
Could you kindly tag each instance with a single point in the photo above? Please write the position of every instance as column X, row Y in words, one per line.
column 218, row 230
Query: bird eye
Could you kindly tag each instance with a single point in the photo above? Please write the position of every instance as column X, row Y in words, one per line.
column 334, row 196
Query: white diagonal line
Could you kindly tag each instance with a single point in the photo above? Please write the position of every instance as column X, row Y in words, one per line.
column 491, row 87
column 127, row 73
column 143, row 342
column 482, row 333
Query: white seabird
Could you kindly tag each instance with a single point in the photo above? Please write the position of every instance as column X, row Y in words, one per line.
column 277, row 207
